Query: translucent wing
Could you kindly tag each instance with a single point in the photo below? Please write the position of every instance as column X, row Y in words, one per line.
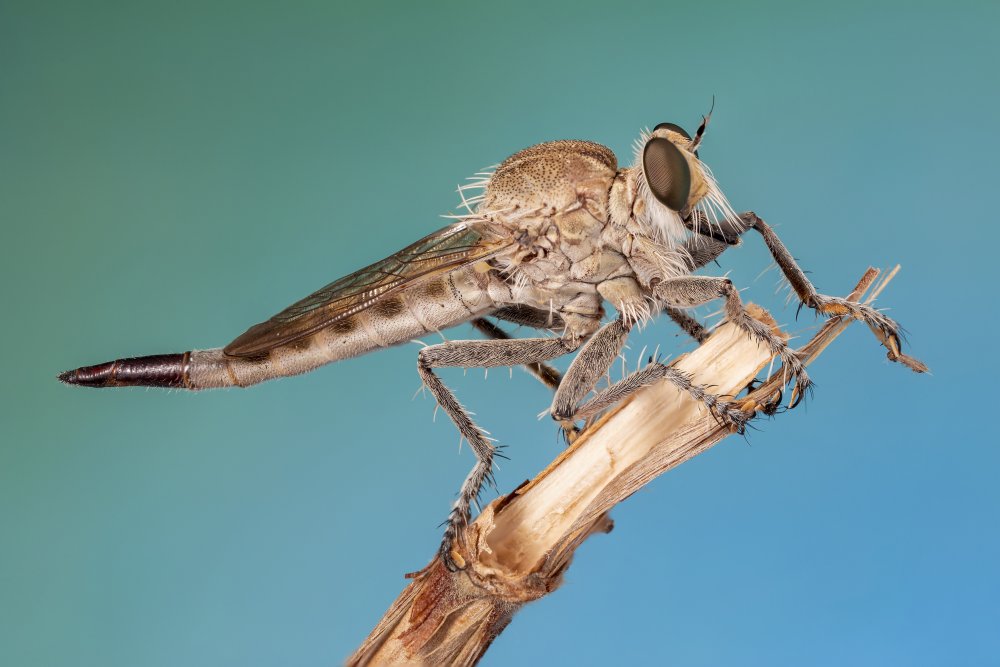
column 444, row 250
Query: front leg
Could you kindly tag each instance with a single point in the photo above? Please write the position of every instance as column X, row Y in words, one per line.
column 884, row 328
column 482, row 354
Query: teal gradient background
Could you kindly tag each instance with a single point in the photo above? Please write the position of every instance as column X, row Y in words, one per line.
column 171, row 173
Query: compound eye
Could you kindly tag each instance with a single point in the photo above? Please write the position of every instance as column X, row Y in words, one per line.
column 667, row 173
column 673, row 128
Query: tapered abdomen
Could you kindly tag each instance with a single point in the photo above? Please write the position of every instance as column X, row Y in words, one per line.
column 393, row 319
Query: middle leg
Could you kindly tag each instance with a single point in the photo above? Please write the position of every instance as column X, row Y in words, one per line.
column 704, row 246
column 595, row 359
column 695, row 290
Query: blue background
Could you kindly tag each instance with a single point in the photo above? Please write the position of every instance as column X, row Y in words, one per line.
column 173, row 172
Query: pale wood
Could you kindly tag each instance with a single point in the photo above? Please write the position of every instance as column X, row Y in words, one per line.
column 518, row 548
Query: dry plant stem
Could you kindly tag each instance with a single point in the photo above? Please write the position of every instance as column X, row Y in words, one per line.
column 520, row 545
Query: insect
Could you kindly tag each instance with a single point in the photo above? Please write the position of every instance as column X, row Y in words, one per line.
column 556, row 231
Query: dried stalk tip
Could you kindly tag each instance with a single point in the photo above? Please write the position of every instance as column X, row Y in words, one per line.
column 521, row 544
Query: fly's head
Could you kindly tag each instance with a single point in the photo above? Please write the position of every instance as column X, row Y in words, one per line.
column 670, row 185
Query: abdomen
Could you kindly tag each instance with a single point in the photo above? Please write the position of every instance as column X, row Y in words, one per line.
column 412, row 312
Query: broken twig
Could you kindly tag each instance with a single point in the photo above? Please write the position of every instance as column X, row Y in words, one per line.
column 518, row 548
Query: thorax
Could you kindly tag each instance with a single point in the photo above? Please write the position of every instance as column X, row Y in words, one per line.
column 572, row 216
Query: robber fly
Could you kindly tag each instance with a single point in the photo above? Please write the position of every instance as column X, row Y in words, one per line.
column 556, row 230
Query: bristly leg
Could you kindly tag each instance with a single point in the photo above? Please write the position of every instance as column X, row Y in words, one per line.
column 688, row 324
column 710, row 242
column 593, row 362
column 544, row 373
column 695, row 290
column 885, row 329
column 725, row 412
column 477, row 354
column 589, row 366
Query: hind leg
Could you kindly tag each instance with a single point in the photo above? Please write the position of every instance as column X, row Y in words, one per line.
column 525, row 316
column 482, row 354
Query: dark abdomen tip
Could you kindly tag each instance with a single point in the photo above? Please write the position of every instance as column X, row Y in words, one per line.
column 158, row 370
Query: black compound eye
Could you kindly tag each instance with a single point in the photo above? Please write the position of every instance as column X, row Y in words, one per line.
column 667, row 173
column 673, row 128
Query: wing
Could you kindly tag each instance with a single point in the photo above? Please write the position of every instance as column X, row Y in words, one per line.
column 444, row 250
